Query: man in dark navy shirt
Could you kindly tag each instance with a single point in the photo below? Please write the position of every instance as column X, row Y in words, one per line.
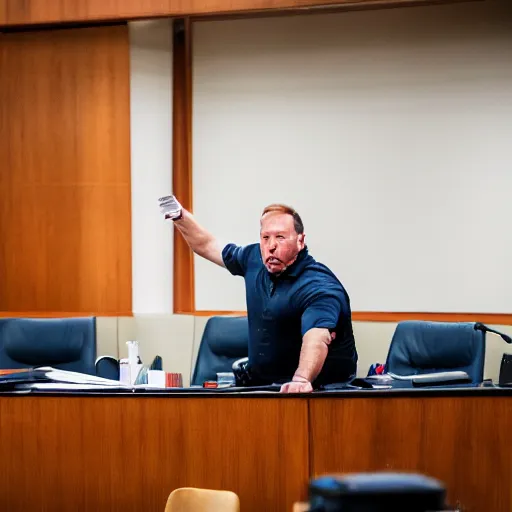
column 300, row 327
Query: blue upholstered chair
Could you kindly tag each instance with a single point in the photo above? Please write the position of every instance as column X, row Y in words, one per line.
column 65, row 343
column 224, row 341
column 420, row 347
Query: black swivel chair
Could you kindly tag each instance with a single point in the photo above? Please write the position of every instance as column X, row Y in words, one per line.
column 224, row 341
column 64, row 343
column 420, row 347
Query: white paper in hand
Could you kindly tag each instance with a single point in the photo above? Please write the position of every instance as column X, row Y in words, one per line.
column 170, row 207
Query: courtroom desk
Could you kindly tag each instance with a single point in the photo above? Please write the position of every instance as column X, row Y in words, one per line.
column 462, row 437
column 128, row 452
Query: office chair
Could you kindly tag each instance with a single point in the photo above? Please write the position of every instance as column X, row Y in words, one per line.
column 64, row 343
column 189, row 499
column 376, row 492
column 224, row 341
column 420, row 347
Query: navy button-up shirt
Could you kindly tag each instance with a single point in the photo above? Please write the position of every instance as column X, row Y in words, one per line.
column 282, row 308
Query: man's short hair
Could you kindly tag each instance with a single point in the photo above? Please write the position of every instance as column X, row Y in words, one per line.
column 283, row 208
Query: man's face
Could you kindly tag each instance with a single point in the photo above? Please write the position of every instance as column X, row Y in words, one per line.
column 279, row 242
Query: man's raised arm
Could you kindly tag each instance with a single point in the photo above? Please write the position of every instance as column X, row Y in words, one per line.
column 198, row 238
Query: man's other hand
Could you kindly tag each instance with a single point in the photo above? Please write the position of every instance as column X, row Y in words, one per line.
column 297, row 387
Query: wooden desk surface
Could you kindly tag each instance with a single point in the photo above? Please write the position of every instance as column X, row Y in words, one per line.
column 127, row 453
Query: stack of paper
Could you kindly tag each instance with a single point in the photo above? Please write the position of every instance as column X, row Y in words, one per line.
column 46, row 377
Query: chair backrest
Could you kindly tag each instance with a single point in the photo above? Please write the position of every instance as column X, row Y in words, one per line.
column 65, row 343
column 423, row 347
column 377, row 492
column 189, row 499
column 225, row 339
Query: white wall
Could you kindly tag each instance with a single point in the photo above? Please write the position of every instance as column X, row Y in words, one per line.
column 151, row 161
column 388, row 130
column 224, row 48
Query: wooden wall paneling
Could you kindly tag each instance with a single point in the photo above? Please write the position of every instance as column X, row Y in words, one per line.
column 463, row 441
column 183, row 269
column 28, row 12
column 127, row 454
column 65, row 218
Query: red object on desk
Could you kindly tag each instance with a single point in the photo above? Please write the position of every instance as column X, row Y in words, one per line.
column 173, row 380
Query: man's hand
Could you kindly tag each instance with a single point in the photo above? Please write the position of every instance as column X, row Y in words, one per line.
column 302, row 386
column 170, row 207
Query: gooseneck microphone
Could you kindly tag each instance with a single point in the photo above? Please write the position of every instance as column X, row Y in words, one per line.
column 482, row 327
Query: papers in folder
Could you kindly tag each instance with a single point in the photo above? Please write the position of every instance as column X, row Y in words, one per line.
column 46, row 377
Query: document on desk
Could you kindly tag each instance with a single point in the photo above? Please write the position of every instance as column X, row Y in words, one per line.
column 53, row 376
column 64, row 386
column 47, row 378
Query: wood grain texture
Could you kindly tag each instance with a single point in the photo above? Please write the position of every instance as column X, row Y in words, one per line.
column 65, row 207
column 128, row 454
column 28, row 12
column 183, row 269
column 462, row 441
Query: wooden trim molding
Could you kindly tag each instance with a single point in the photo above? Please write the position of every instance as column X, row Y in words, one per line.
column 380, row 316
column 183, row 269
column 46, row 12
column 396, row 316
column 60, row 314
column 219, row 313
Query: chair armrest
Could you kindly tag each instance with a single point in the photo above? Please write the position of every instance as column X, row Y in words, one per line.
column 241, row 372
column 107, row 367
column 237, row 365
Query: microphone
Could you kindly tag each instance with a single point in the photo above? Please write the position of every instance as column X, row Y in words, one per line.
column 481, row 327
